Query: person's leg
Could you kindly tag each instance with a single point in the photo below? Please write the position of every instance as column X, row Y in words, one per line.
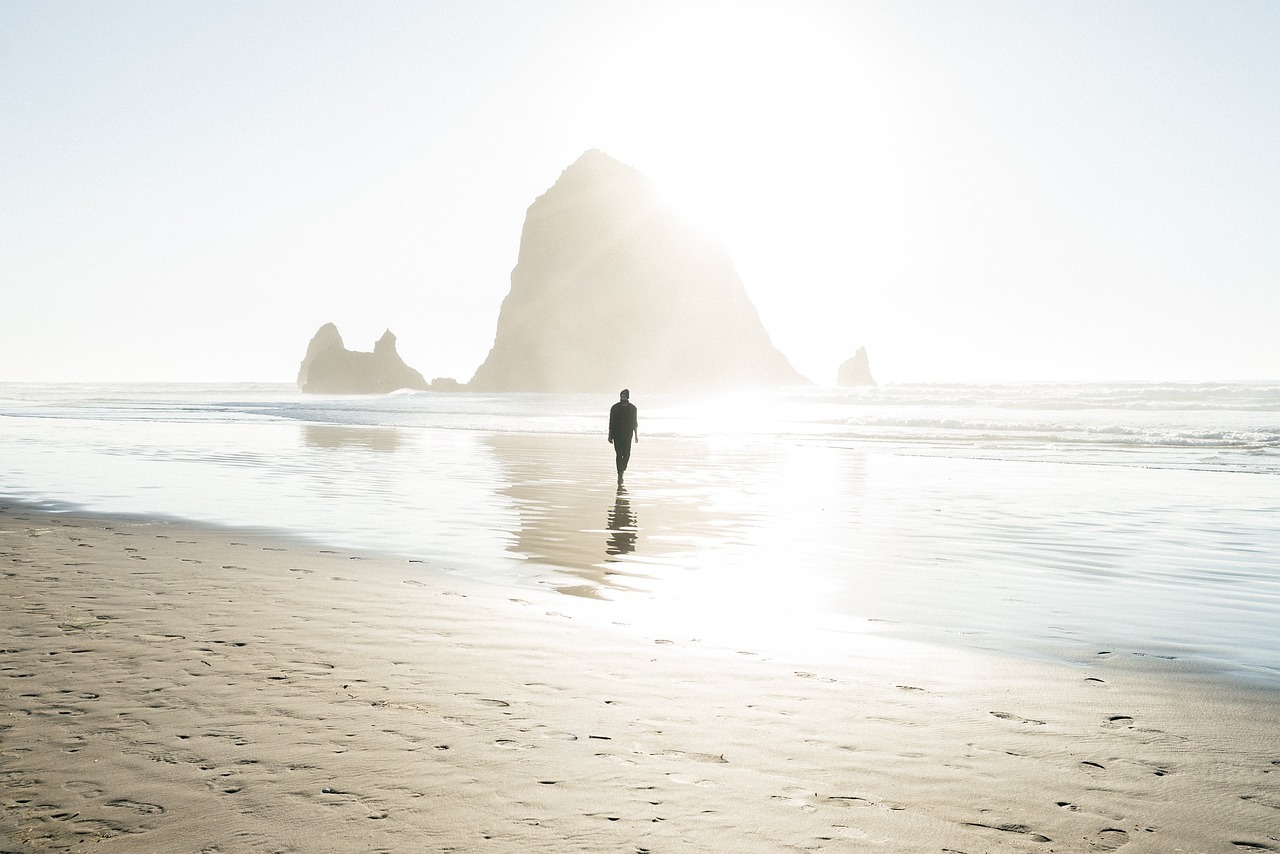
column 623, row 450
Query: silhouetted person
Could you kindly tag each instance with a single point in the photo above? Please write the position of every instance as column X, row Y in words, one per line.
column 623, row 426
column 622, row 526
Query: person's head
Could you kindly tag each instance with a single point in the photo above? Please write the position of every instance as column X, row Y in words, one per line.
column 625, row 394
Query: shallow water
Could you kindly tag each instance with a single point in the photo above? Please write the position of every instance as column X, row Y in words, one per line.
column 1069, row 521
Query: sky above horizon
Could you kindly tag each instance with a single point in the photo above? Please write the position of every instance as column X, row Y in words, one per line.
column 974, row 191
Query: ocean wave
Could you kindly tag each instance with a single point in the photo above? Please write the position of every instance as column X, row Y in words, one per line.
column 1236, row 421
column 1150, row 397
column 1167, row 435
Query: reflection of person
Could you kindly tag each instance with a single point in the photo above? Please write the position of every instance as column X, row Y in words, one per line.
column 622, row 526
column 622, row 427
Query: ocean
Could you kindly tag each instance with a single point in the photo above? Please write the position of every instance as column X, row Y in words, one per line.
column 1062, row 520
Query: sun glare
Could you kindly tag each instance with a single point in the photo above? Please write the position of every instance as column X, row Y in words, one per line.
column 755, row 89
column 772, row 133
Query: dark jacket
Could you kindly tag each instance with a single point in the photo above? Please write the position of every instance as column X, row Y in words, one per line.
column 622, row 421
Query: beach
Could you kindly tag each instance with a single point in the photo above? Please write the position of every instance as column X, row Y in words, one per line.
column 168, row 686
column 950, row 619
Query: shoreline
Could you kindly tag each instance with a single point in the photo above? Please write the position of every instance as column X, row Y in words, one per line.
column 174, row 686
column 566, row 587
column 1011, row 554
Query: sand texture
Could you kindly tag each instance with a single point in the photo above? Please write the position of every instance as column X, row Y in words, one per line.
column 166, row 687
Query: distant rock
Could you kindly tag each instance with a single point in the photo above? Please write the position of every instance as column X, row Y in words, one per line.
column 612, row 290
column 446, row 384
column 856, row 371
column 330, row 368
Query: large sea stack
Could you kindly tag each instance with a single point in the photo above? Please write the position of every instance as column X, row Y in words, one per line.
column 611, row 289
column 330, row 368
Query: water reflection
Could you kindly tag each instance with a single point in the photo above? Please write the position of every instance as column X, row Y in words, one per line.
column 334, row 437
column 559, row 485
column 723, row 515
column 622, row 526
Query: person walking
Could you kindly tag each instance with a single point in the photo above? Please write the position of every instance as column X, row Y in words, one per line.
column 623, row 426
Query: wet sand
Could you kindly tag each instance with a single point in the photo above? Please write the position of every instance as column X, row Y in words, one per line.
column 169, row 687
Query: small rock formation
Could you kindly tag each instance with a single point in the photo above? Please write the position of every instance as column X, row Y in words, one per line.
column 856, row 371
column 446, row 384
column 612, row 290
column 330, row 368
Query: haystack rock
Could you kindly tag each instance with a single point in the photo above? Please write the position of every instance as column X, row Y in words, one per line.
column 856, row 371
column 330, row 368
column 612, row 290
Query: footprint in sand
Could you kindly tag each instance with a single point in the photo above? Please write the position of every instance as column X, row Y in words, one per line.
column 856, row 800
column 620, row 760
column 136, row 806
column 1265, row 801
column 1020, row 829
column 717, row 759
column 1110, row 839
column 844, row 831
column 1009, row 716
column 83, row 788
column 689, row 781
column 512, row 744
column 804, row 674
column 99, row 828
column 80, row 695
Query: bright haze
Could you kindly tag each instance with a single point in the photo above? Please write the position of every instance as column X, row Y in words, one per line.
column 973, row 191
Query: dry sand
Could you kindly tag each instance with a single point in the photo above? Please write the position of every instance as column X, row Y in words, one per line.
column 172, row 688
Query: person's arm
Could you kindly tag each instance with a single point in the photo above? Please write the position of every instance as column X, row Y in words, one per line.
column 635, row 425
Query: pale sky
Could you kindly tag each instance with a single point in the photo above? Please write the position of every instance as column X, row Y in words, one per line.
column 974, row 191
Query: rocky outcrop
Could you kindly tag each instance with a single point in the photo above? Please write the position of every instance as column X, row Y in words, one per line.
column 446, row 384
column 856, row 371
column 330, row 368
column 611, row 289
